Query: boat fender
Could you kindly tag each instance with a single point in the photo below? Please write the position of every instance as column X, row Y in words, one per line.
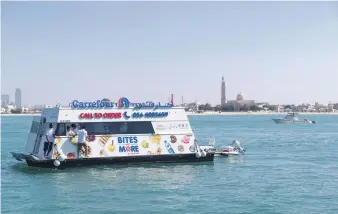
column 56, row 163
column 203, row 153
column 198, row 154
column 61, row 157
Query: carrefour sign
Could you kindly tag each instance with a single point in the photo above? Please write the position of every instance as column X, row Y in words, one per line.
column 122, row 102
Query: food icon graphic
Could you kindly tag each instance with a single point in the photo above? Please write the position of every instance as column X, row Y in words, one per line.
column 73, row 140
column 103, row 140
column 70, row 155
column 169, row 148
column 83, row 151
column 158, row 150
column 57, row 142
column 186, row 139
column 55, row 155
column 145, row 144
column 90, row 138
column 111, row 147
column 173, row 139
column 180, row 148
column 101, row 153
column 156, row 139
column 192, row 148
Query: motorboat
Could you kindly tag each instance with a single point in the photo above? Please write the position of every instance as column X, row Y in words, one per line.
column 234, row 149
column 292, row 118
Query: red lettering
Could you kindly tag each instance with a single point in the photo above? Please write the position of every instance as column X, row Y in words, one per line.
column 100, row 115
column 86, row 115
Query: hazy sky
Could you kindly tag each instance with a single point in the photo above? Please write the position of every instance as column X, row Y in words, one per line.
column 281, row 52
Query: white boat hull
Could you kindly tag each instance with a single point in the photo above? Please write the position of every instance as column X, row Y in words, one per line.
column 286, row 121
column 225, row 153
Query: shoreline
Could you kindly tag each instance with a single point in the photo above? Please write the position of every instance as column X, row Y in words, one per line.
column 212, row 113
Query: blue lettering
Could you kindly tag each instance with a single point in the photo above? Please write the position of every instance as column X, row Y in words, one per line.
column 127, row 140
column 122, row 149
column 75, row 104
column 134, row 148
column 130, row 149
column 126, row 115
column 123, row 102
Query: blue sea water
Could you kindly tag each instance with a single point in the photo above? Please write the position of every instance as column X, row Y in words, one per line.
column 286, row 169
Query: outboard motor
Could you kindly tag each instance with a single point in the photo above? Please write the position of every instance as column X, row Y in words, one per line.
column 237, row 145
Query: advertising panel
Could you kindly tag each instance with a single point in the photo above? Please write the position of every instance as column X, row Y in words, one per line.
column 177, row 127
column 114, row 146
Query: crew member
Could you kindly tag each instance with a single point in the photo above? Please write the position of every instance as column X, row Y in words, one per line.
column 82, row 135
column 74, row 128
column 70, row 132
column 50, row 137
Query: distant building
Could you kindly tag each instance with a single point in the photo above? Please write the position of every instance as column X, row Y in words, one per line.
column 192, row 106
column 18, row 98
column 4, row 100
column 330, row 107
column 240, row 101
column 223, row 93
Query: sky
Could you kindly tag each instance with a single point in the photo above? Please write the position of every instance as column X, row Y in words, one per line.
column 277, row 52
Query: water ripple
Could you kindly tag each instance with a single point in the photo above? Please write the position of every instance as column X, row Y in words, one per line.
column 287, row 169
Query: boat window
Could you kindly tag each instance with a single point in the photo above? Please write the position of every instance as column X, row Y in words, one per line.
column 61, row 129
column 104, row 128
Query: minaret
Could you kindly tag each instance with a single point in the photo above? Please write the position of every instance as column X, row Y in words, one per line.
column 223, row 97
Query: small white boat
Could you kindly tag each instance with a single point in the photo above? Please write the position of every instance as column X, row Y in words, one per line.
column 227, row 150
column 289, row 118
column 292, row 118
column 234, row 149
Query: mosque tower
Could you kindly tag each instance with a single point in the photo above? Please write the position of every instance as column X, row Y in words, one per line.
column 223, row 96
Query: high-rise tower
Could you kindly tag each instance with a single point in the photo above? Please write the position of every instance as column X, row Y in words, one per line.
column 18, row 98
column 223, row 96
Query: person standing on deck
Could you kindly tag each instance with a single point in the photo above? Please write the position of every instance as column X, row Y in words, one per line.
column 74, row 128
column 82, row 135
column 70, row 132
column 50, row 137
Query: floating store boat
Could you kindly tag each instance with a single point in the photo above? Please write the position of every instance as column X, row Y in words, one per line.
column 117, row 133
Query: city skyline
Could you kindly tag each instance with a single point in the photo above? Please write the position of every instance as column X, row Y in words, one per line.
column 276, row 52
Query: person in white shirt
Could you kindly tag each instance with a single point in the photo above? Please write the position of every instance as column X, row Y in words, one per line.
column 50, row 137
column 81, row 136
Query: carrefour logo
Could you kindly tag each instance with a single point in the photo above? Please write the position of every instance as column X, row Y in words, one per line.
column 123, row 102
